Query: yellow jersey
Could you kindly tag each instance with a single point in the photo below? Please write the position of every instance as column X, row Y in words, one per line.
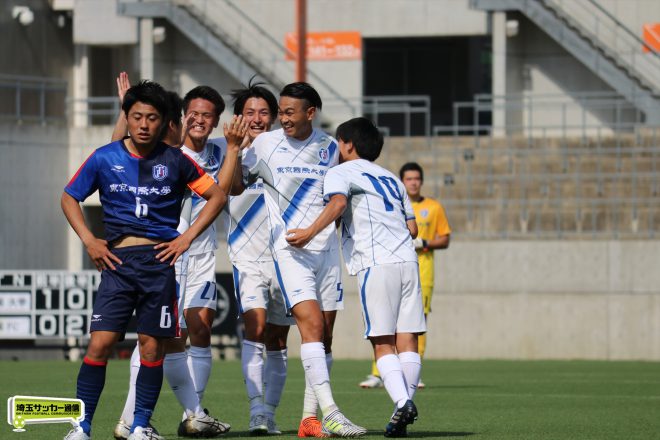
column 431, row 221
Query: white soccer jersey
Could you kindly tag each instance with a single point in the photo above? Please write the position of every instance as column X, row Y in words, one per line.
column 374, row 229
column 292, row 172
column 247, row 225
column 210, row 160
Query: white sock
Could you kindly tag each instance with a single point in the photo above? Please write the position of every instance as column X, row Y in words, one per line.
column 199, row 365
column 252, row 361
column 175, row 370
column 129, row 406
column 313, row 359
column 391, row 372
column 310, row 403
column 275, row 378
column 411, row 364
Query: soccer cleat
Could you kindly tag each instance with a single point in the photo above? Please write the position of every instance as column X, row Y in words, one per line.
column 202, row 426
column 272, row 426
column 258, row 425
column 421, row 385
column 401, row 418
column 310, row 427
column 148, row 433
column 372, row 382
column 77, row 433
column 337, row 424
column 122, row 430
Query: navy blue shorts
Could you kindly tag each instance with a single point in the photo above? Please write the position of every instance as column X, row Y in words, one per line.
column 141, row 283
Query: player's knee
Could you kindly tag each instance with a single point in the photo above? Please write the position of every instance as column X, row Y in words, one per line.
column 276, row 337
column 200, row 337
column 255, row 331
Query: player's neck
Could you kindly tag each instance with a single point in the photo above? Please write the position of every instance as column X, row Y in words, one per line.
column 416, row 198
column 141, row 150
column 304, row 135
column 196, row 144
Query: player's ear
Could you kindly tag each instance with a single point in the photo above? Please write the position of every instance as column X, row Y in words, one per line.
column 311, row 111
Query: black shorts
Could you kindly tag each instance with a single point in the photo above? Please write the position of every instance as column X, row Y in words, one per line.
column 140, row 283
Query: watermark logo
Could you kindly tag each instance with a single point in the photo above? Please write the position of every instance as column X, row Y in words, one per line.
column 27, row 410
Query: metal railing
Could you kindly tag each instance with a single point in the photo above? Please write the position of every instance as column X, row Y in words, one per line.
column 98, row 110
column 32, row 99
column 622, row 44
column 580, row 113
column 377, row 106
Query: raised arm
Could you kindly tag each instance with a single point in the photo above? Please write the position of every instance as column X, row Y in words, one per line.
column 332, row 211
column 230, row 177
column 121, row 126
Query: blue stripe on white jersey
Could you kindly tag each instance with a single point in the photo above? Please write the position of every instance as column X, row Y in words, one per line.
column 293, row 173
column 374, row 228
column 242, row 225
column 210, row 160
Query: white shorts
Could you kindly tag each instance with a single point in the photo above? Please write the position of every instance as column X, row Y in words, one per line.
column 310, row 275
column 256, row 287
column 195, row 275
column 391, row 299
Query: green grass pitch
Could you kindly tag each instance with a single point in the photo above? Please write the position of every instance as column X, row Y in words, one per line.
column 463, row 399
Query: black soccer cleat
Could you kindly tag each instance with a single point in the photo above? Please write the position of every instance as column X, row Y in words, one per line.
column 402, row 417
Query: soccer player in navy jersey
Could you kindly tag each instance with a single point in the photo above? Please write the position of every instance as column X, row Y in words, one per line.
column 141, row 182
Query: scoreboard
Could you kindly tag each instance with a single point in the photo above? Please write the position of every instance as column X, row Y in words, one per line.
column 58, row 304
column 49, row 304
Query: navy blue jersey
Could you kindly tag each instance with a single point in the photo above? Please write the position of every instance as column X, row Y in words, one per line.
column 140, row 196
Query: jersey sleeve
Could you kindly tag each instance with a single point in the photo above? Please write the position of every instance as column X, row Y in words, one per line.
column 85, row 181
column 194, row 176
column 249, row 162
column 336, row 182
column 407, row 205
column 442, row 225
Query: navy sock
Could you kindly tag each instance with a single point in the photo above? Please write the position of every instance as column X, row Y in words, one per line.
column 147, row 389
column 91, row 379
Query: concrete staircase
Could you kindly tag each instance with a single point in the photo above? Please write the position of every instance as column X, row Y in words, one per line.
column 600, row 41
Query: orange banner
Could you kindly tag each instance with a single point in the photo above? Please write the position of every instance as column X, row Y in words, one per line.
column 651, row 36
column 345, row 45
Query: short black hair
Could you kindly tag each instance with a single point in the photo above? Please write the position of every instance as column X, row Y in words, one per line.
column 174, row 107
column 147, row 92
column 208, row 93
column 365, row 136
column 253, row 90
column 411, row 166
column 303, row 90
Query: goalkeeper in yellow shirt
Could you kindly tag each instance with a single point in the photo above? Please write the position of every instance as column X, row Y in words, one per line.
column 434, row 233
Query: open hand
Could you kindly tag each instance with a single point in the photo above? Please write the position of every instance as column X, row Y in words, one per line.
column 172, row 249
column 123, row 84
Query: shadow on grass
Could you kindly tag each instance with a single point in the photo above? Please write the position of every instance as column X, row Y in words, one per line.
column 425, row 434
column 446, row 387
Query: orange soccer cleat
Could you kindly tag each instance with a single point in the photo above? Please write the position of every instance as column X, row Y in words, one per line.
column 310, row 427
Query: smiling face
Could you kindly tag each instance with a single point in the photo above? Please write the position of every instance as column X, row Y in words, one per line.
column 204, row 119
column 144, row 124
column 296, row 117
column 257, row 113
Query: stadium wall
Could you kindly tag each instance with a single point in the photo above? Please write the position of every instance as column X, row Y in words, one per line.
column 595, row 300
column 32, row 175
